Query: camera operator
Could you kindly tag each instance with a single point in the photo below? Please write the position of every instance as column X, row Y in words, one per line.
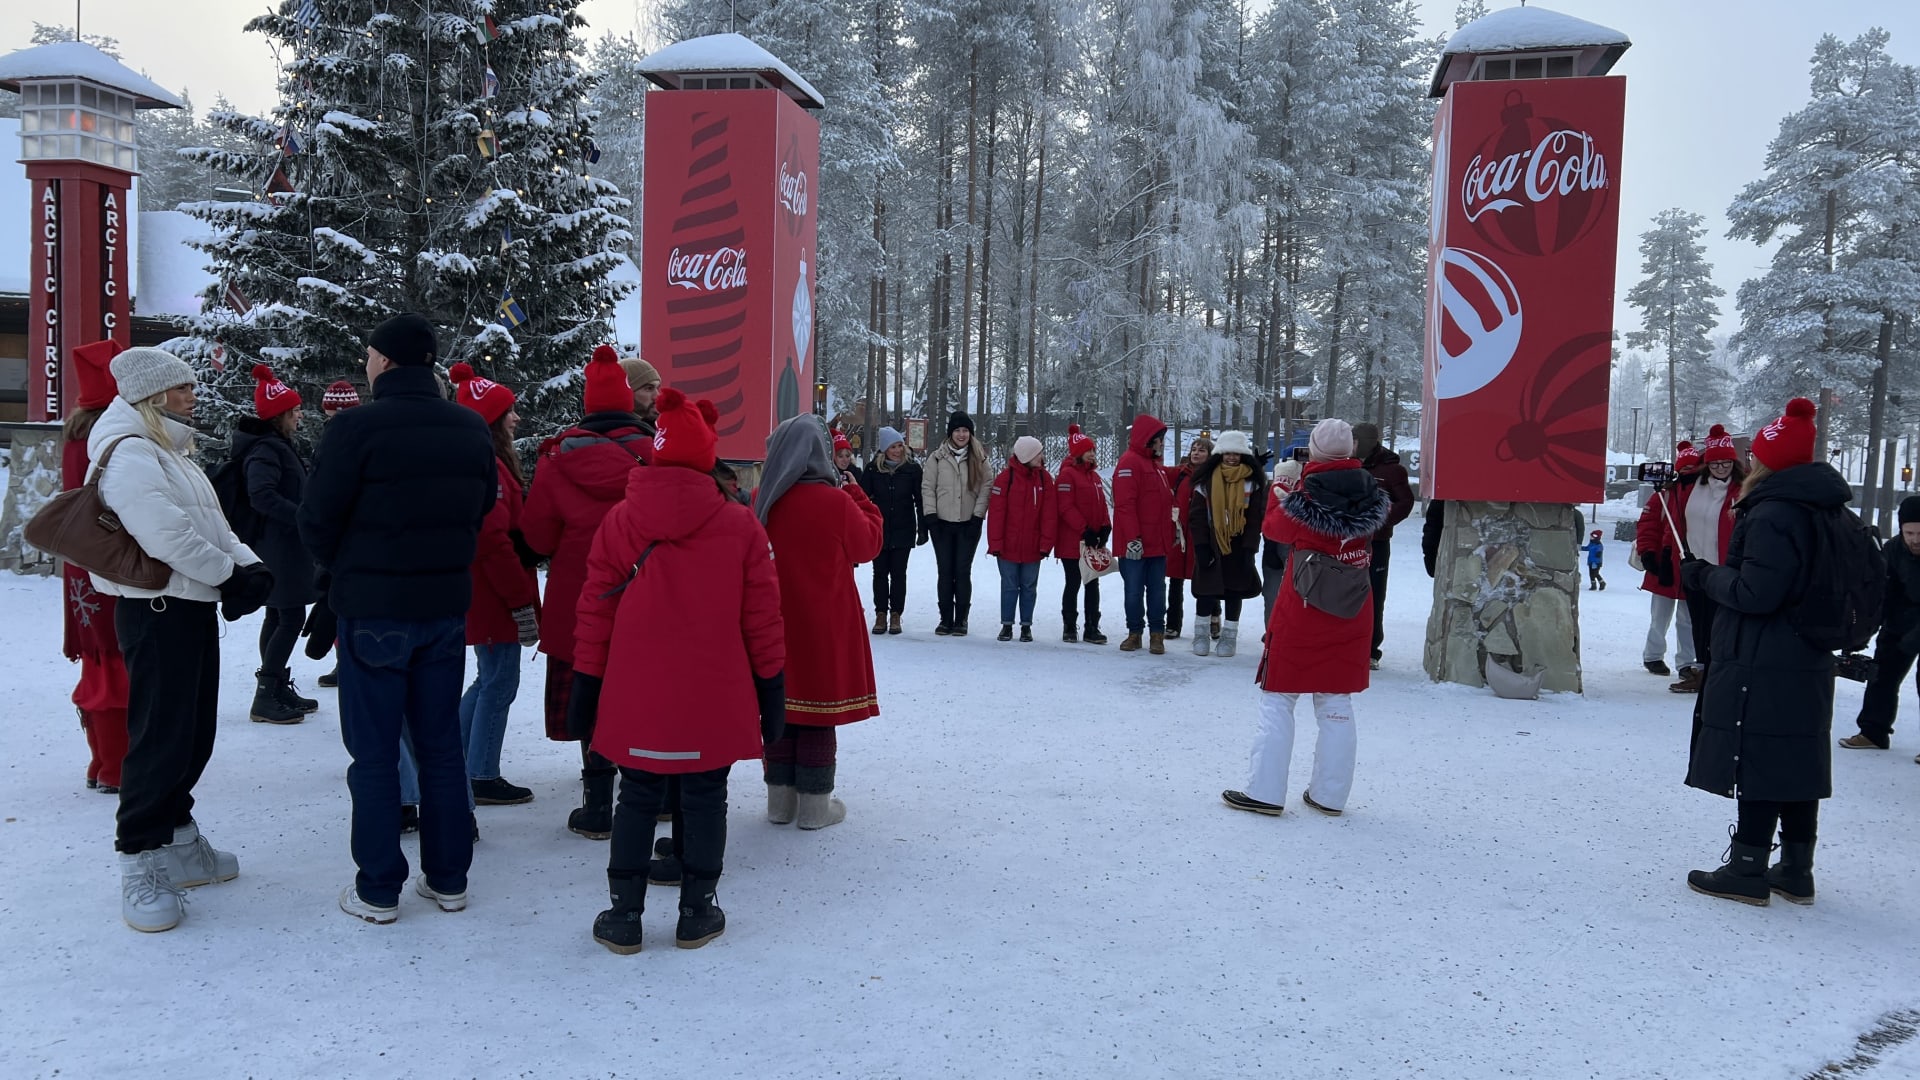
column 1899, row 640
column 1658, row 546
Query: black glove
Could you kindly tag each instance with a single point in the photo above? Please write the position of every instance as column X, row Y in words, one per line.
column 321, row 629
column 245, row 591
column 1661, row 564
column 1693, row 573
column 926, row 524
column 583, row 706
column 529, row 558
column 772, row 692
column 1090, row 537
column 1106, row 533
column 920, row 538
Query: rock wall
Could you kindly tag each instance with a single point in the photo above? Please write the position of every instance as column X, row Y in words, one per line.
column 32, row 479
column 1506, row 589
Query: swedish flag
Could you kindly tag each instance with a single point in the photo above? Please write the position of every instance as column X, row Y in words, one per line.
column 511, row 313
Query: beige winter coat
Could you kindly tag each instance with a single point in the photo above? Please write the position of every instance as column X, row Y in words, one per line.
column 943, row 484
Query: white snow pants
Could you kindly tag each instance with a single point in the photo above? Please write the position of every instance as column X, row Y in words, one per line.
column 1333, row 753
column 1665, row 610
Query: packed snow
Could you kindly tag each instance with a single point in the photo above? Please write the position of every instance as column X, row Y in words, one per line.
column 81, row 60
column 1036, row 878
column 1516, row 29
column 725, row 52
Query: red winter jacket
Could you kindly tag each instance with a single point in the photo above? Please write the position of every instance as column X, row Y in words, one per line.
column 501, row 582
column 1082, row 499
column 1022, row 514
column 1180, row 559
column 1142, row 501
column 582, row 474
column 1336, row 510
column 1654, row 541
column 819, row 533
column 680, row 645
column 88, row 626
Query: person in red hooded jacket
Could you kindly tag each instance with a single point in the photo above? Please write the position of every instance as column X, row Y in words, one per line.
column 1321, row 638
column 504, row 616
column 1021, row 517
column 1657, row 543
column 1143, row 532
column 1084, row 519
column 581, row 475
column 88, row 637
column 821, row 527
column 1180, row 557
column 680, row 579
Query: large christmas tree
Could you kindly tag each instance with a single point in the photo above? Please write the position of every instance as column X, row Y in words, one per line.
column 431, row 156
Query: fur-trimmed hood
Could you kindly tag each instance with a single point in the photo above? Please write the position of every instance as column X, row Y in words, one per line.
column 1338, row 499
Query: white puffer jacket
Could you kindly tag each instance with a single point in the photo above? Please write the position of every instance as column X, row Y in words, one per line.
column 943, row 484
column 166, row 502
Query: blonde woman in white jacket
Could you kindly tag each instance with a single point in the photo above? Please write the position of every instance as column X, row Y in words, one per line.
column 170, row 636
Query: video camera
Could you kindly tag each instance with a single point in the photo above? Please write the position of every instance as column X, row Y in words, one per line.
column 1658, row 473
column 1855, row 667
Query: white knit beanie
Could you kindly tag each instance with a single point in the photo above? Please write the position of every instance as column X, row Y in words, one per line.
column 1332, row 440
column 1026, row 449
column 144, row 372
column 1234, row 442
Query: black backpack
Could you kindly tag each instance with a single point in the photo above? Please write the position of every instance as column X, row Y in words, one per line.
column 1840, row 607
column 230, row 485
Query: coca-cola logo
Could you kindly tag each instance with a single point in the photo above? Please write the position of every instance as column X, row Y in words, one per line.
column 708, row 271
column 276, row 389
column 1561, row 163
column 793, row 191
column 1537, row 185
column 480, row 388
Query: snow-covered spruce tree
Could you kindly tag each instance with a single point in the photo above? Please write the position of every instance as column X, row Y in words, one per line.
column 426, row 156
column 1675, row 297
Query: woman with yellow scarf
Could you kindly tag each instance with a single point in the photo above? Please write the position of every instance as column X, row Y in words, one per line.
column 1229, row 498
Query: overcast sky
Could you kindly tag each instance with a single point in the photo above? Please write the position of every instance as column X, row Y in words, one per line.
column 1708, row 81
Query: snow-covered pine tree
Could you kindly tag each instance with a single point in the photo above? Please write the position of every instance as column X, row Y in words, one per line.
column 428, row 156
column 620, row 123
column 1675, row 297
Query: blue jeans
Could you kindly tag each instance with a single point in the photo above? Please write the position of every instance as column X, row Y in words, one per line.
column 410, row 771
column 1018, row 581
column 483, row 708
column 395, row 672
column 1144, row 581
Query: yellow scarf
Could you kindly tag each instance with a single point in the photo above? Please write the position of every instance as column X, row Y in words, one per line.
column 1229, row 501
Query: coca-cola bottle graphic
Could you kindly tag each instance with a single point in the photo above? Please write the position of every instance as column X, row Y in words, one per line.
column 708, row 274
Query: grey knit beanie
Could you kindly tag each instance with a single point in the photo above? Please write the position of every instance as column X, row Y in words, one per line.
column 144, row 372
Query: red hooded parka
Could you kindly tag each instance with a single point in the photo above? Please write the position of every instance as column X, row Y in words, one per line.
column 1142, row 501
column 501, row 582
column 1337, row 509
column 1022, row 514
column 1081, row 496
column 582, row 475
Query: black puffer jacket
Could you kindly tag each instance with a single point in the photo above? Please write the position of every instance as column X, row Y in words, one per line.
column 1900, row 614
column 897, row 494
column 275, row 479
column 394, row 505
column 1767, row 712
column 1229, row 575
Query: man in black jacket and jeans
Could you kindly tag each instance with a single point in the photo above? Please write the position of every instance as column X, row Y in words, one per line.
column 1899, row 641
column 392, row 511
column 1385, row 466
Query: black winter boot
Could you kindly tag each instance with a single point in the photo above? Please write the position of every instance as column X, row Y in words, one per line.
column 1093, row 636
column 1742, row 878
column 618, row 927
column 268, row 706
column 1026, row 631
column 1006, row 632
column 664, row 870
column 1792, row 876
column 1069, row 634
column 290, row 694
column 701, row 920
column 593, row 818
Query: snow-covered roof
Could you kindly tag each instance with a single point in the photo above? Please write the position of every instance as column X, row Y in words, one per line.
column 79, row 60
column 727, row 52
column 172, row 274
column 1527, row 29
column 16, row 203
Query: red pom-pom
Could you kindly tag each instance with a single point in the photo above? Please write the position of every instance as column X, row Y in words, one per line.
column 1684, row 445
column 262, row 373
column 1073, row 429
column 1801, row 407
column 604, row 354
column 1718, row 431
column 461, row 372
column 669, row 399
column 708, row 410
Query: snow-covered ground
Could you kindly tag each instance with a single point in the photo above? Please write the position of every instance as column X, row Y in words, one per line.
column 1036, row 878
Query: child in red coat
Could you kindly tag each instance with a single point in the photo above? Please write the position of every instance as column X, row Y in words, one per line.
column 101, row 695
column 678, row 655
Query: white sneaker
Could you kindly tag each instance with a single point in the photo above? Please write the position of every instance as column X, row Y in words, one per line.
column 1201, row 643
column 447, row 901
column 193, row 862
column 351, row 903
column 1229, row 640
column 149, row 900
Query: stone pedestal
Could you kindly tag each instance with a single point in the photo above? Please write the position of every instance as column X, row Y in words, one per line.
column 1506, row 589
column 32, row 479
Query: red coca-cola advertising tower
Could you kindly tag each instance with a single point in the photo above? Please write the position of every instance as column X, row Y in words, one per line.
column 1520, row 289
column 77, row 107
column 729, row 223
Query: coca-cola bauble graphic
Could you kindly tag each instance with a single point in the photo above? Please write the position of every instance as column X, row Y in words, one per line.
column 1563, row 410
column 709, row 272
column 1480, row 322
column 1537, row 185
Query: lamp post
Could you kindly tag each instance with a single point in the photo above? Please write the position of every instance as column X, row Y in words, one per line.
column 1633, row 450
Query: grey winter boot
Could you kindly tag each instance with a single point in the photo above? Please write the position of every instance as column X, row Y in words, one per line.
column 192, row 862
column 149, row 900
column 817, row 807
column 1229, row 640
column 1201, row 643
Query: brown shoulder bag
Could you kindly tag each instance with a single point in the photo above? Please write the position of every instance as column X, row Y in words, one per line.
column 78, row 527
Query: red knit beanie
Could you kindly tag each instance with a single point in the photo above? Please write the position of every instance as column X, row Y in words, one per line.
column 340, row 395
column 1686, row 458
column 607, row 389
column 684, row 433
column 1787, row 441
column 97, row 388
column 840, row 442
column 1720, row 445
column 1077, row 443
column 484, row 396
column 271, row 397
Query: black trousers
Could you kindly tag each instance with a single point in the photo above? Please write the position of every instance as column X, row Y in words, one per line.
column 700, row 826
column 1881, row 702
column 954, row 543
column 1797, row 821
column 172, row 649
column 1702, row 609
column 1176, row 603
column 279, row 633
column 1206, row 607
column 1377, row 572
column 890, row 580
column 1070, row 596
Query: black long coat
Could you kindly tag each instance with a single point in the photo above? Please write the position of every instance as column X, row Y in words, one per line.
column 1900, row 614
column 275, row 479
column 1233, row 574
column 897, row 494
column 1767, row 711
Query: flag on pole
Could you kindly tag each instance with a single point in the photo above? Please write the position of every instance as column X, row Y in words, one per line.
column 506, row 239
column 511, row 313
column 490, row 87
column 308, row 15
column 489, row 145
column 289, row 142
column 489, row 30
column 218, row 358
column 237, row 300
column 278, row 184
column 593, row 152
